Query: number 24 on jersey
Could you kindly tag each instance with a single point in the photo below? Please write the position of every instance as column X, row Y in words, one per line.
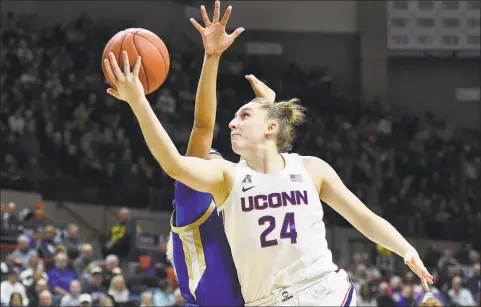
column 288, row 229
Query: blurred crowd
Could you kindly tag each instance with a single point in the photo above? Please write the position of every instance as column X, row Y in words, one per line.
column 457, row 279
column 68, row 140
column 51, row 266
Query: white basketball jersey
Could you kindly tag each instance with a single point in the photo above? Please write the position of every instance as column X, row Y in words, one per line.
column 274, row 226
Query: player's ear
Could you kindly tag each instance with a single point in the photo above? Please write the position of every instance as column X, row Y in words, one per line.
column 272, row 127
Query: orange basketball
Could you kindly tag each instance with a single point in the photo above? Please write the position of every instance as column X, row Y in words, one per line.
column 140, row 42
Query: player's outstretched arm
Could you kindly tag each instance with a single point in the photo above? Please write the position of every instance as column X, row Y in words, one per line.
column 340, row 198
column 200, row 141
column 215, row 41
column 202, row 175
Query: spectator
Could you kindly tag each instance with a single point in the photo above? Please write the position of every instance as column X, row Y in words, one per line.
column 364, row 297
column 405, row 298
column 10, row 219
column 118, row 289
column 94, row 286
column 11, row 285
column 384, row 299
column 85, row 300
column 45, row 298
column 165, row 102
column 121, row 234
column 33, row 292
column 163, row 296
column 33, row 272
column 459, row 295
column 3, row 269
column 23, row 252
column 447, row 263
column 106, row 301
column 60, row 277
column 179, row 299
column 46, row 248
column 16, row 300
column 431, row 257
column 72, row 242
column 146, row 299
column 72, row 297
column 474, row 283
column 84, row 260
column 111, row 269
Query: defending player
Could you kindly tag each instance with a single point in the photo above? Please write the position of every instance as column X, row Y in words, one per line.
column 270, row 201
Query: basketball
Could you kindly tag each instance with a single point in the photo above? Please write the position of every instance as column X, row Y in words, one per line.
column 144, row 43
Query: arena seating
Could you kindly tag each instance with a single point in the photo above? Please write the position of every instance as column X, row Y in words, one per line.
column 68, row 140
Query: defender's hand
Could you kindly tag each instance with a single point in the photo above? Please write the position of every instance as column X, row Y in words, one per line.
column 214, row 36
column 261, row 89
column 126, row 85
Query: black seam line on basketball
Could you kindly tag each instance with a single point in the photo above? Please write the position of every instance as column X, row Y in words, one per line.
column 165, row 64
column 121, row 45
column 141, row 62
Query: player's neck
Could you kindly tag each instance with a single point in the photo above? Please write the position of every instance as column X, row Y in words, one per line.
column 266, row 161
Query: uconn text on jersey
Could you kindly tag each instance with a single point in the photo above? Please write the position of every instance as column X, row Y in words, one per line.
column 274, row 200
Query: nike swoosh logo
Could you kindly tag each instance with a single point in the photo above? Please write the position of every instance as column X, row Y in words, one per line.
column 247, row 189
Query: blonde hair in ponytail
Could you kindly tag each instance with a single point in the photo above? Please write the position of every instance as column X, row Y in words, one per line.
column 288, row 114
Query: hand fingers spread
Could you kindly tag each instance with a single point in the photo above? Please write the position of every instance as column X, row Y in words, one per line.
column 115, row 67
column 196, row 24
column 216, row 12
column 427, row 276
column 424, row 272
column 205, row 17
column 126, row 63
column 226, row 16
column 137, row 66
column 110, row 73
column 236, row 33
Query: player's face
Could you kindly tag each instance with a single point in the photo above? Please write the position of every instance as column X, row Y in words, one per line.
column 248, row 128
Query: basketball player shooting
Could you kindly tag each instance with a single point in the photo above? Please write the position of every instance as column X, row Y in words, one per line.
column 271, row 201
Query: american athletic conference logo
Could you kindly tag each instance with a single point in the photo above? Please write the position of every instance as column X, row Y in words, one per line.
column 247, row 179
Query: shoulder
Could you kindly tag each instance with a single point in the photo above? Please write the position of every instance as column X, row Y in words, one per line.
column 318, row 166
column 315, row 168
column 315, row 165
column 312, row 161
column 319, row 170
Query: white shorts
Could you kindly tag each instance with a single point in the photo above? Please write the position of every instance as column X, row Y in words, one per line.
column 334, row 289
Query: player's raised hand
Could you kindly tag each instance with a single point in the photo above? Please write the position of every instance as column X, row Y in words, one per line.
column 261, row 89
column 214, row 36
column 126, row 85
column 412, row 260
